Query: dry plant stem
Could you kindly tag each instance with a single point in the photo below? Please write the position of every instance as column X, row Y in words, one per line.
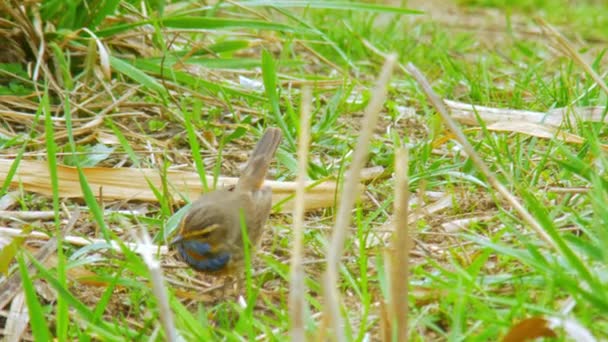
column 158, row 284
column 12, row 285
column 470, row 151
column 570, row 51
column 297, row 288
column 78, row 241
column 399, row 265
column 46, row 215
column 26, row 215
column 349, row 196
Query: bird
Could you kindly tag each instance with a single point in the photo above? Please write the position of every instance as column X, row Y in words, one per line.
column 210, row 237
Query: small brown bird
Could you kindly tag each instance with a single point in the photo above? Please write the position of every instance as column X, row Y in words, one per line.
column 209, row 237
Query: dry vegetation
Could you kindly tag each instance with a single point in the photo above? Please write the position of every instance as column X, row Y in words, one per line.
column 113, row 128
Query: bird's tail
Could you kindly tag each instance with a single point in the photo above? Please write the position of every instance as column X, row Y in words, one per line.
column 254, row 173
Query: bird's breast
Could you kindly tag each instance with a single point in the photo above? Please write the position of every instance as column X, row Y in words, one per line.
column 199, row 255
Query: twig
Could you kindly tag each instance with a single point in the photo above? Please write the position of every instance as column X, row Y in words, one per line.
column 470, row 151
column 297, row 287
column 399, row 265
column 349, row 196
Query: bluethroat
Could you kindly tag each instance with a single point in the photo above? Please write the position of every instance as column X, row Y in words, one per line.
column 209, row 237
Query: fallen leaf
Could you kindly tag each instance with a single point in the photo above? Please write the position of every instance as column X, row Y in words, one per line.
column 132, row 184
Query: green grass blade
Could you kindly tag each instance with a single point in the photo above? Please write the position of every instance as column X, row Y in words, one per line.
column 331, row 5
column 82, row 310
column 12, row 170
column 92, row 204
column 38, row 322
column 195, row 147
column 137, row 75
column 269, row 74
column 102, row 10
column 126, row 145
column 208, row 23
column 186, row 79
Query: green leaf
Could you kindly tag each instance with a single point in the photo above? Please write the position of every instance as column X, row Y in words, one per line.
column 102, row 9
column 174, row 221
column 8, row 253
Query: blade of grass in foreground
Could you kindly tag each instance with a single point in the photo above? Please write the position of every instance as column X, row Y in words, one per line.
column 38, row 322
column 105, row 330
column 91, row 202
column 124, row 143
column 195, row 83
column 161, row 196
column 13, row 169
column 335, row 5
column 247, row 318
column 137, row 75
column 195, row 147
column 191, row 328
column 269, row 74
column 62, row 320
column 207, row 23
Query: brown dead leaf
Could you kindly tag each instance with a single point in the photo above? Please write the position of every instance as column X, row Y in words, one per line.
column 132, row 184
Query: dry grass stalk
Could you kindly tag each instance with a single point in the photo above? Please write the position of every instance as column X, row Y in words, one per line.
column 297, row 287
column 91, row 126
column 470, row 151
column 401, row 245
column 26, row 215
column 79, row 241
column 158, row 284
column 567, row 48
column 349, row 196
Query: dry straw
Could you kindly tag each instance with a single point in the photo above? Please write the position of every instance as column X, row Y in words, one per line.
column 297, row 288
column 348, row 198
column 399, row 253
column 570, row 51
column 470, row 151
column 158, row 283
